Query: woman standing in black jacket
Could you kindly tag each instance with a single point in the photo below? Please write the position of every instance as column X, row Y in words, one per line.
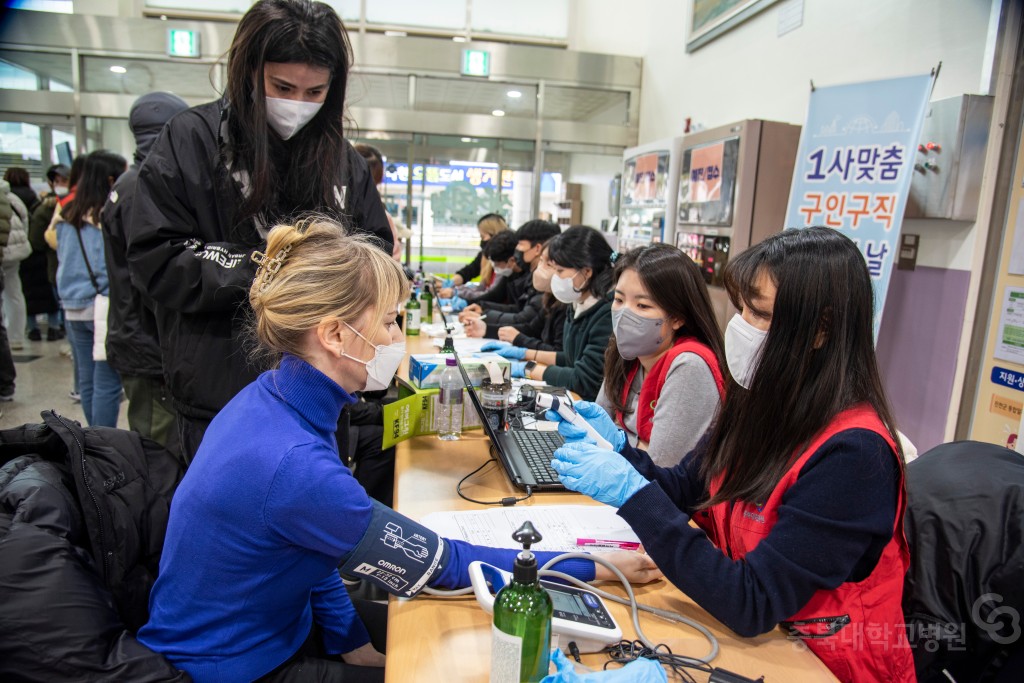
column 222, row 174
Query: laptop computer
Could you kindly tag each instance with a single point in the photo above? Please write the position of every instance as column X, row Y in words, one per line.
column 525, row 454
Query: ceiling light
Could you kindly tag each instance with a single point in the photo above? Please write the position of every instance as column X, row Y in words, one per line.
column 459, row 39
column 396, row 34
column 118, row 69
column 498, row 112
column 467, row 139
column 514, row 93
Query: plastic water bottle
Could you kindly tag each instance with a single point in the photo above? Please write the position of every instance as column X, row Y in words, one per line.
column 449, row 405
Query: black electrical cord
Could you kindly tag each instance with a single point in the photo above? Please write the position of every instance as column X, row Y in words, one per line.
column 504, row 502
column 626, row 651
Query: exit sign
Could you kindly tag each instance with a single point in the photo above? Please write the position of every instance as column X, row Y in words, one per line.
column 476, row 63
column 182, row 43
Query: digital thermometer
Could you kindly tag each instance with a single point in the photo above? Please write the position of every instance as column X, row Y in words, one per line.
column 579, row 615
column 569, row 414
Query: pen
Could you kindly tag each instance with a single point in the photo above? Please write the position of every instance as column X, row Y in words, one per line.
column 601, row 543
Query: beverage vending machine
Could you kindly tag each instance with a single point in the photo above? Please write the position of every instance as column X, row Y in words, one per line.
column 647, row 204
column 733, row 188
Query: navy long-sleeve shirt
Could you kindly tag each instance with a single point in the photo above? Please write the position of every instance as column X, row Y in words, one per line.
column 257, row 529
column 832, row 526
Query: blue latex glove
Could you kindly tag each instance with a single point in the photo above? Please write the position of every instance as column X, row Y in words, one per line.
column 505, row 350
column 637, row 671
column 601, row 474
column 447, row 283
column 518, row 369
column 458, row 303
column 598, row 419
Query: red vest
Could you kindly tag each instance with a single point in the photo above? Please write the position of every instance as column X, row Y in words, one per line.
column 650, row 390
column 869, row 642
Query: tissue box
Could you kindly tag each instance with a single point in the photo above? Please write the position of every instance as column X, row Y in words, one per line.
column 425, row 368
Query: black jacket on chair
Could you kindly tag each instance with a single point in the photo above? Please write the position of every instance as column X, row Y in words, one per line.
column 964, row 594
column 83, row 514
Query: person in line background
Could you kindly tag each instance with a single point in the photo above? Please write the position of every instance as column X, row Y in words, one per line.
column 82, row 279
column 220, row 175
column 8, row 373
column 16, row 250
column 132, row 347
column 43, row 262
column 375, row 162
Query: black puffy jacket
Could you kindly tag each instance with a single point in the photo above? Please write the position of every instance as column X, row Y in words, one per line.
column 83, row 514
column 190, row 252
column 963, row 597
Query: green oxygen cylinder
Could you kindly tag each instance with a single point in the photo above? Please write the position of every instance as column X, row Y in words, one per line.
column 521, row 635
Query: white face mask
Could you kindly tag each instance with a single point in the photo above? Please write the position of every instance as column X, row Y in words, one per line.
column 564, row 290
column 287, row 117
column 743, row 344
column 503, row 272
column 60, row 190
column 380, row 369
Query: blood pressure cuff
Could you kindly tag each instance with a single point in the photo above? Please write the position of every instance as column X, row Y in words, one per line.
column 396, row 553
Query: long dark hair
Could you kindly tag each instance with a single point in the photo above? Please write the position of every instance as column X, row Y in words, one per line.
column 298, row 175
column 17, row 177
column 99, row 171
column 584, row 247
column 818, row 359
column 675, row 284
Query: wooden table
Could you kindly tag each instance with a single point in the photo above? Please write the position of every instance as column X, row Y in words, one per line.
column 435, row 639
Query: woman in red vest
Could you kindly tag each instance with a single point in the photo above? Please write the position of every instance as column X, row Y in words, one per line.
column 798, row 490
column 662, row 369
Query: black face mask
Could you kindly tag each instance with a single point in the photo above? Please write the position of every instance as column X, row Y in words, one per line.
column 520, row 260
column 482, row 243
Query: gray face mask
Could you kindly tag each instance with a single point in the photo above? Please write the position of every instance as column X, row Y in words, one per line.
column 637, row 336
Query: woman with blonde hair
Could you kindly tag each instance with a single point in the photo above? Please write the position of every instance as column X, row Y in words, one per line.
column 279, row 512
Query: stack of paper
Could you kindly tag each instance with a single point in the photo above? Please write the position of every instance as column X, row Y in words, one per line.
column 561, row 526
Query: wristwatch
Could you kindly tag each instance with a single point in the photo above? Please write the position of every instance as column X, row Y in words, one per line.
column 530, row 365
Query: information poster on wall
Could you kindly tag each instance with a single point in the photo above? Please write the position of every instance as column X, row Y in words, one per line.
column 854, row 167
column 706, row 173
column 1010, row 342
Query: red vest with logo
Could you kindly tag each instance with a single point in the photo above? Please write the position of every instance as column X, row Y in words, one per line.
column 856, row 629
column 650, row 390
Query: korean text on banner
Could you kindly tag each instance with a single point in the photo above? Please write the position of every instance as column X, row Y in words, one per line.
column 645, row 178
column 706, row 173
column 854, row 167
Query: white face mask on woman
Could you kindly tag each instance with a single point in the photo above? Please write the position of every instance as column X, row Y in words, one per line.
column 564, row 290
column 743, row 344
column 380, row 369
column 287, row 117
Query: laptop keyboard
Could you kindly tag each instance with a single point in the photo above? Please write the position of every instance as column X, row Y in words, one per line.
column 537, row 449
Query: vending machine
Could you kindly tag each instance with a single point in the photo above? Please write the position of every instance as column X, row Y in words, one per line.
column 733, row 187
column 647, row 204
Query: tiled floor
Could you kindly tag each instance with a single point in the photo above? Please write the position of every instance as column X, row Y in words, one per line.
column 44, row 380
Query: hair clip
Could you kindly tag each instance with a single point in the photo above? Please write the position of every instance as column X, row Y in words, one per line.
column 269, row 265
column 615, row 256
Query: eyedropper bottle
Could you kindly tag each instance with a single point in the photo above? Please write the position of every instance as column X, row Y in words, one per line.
column 521, row 635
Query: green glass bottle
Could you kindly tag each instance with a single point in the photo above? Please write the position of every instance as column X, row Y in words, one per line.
column 412, row 316
column 521, row 635
column 428, row 301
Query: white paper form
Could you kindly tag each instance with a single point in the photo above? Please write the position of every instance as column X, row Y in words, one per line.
column 463, row 344
column 1010, row 342
column 559, row 525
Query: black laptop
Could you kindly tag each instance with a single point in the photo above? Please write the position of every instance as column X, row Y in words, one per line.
column 524, row 453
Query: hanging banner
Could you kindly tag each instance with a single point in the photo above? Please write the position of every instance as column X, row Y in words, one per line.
column 854, row 167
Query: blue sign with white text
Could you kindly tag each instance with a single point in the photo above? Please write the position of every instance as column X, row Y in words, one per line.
column 854, row 167
column 1008, row 378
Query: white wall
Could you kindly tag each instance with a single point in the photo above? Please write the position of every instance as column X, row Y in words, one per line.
column 751, row 72
column 593, row 172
